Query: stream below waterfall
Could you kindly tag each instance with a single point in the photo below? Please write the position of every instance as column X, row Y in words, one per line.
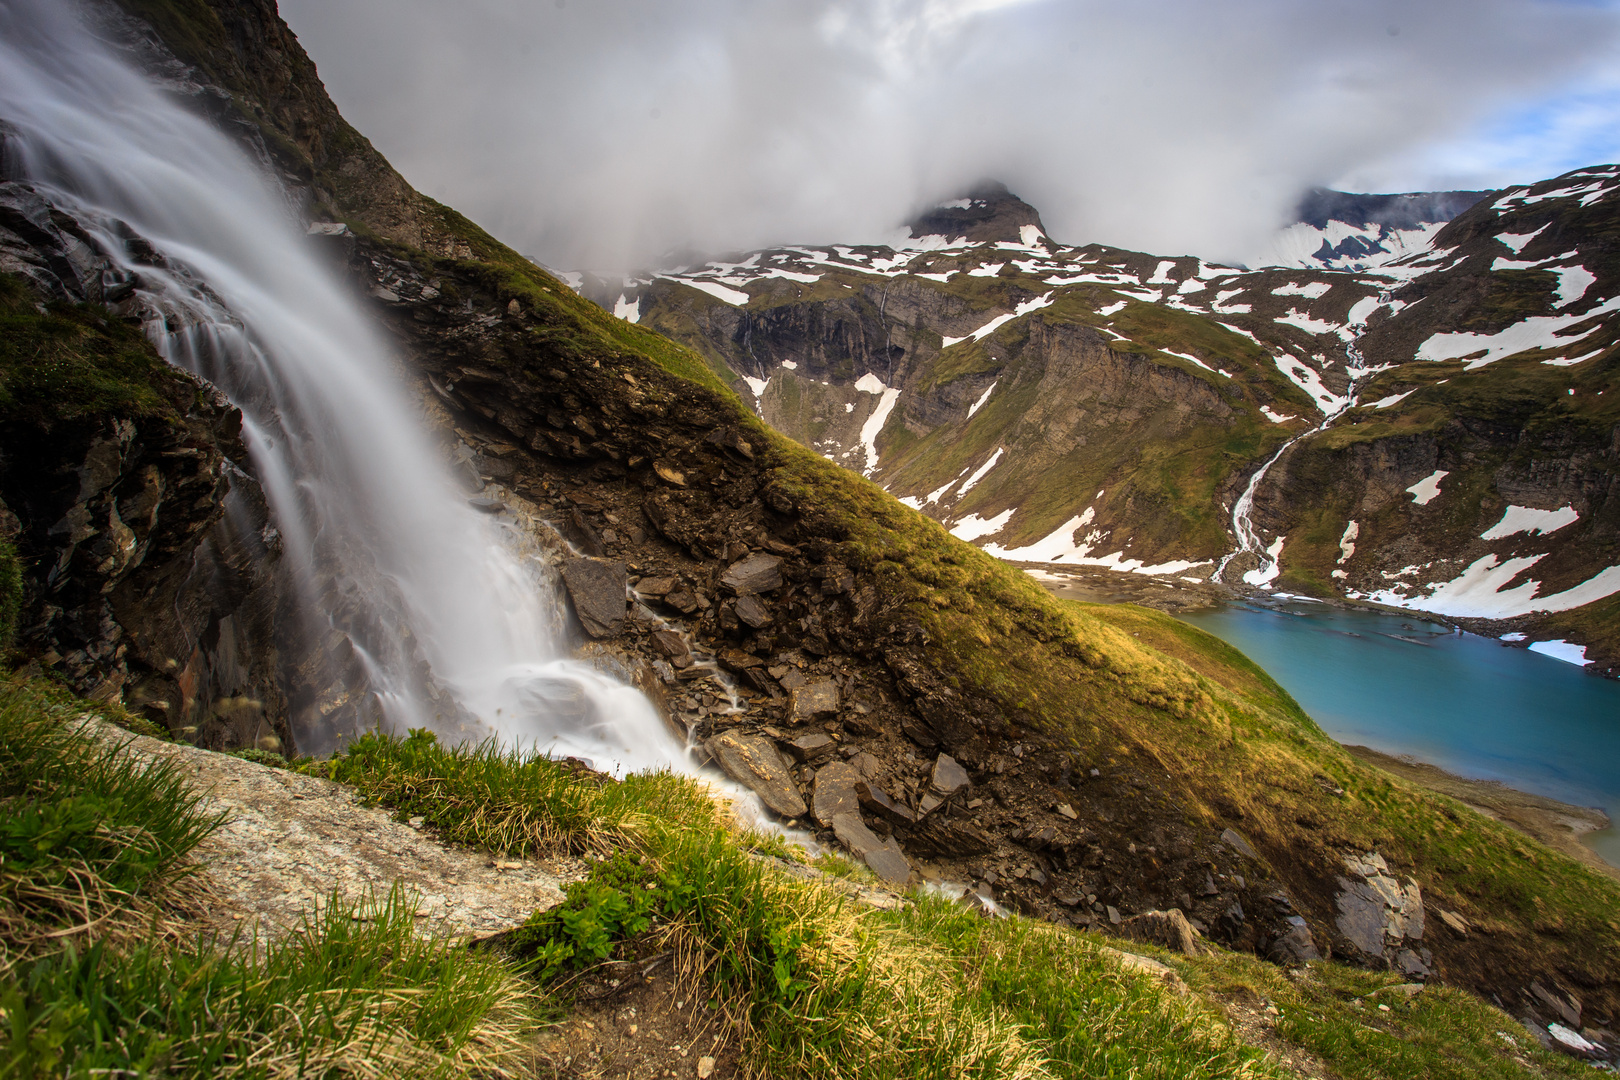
column 1466, row 703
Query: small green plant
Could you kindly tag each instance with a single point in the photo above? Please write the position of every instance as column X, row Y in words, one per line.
column 618, row 902
column 85, row 829
column 355, row 991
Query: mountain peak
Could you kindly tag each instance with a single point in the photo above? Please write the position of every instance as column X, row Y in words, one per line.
column 987, row 212
column 1410, row 210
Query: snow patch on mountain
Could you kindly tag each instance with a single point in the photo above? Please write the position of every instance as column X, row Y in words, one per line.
column 1427, row 489
column 1347, row 542
column 1313, row 326
column 1485, row 591
column 734, row 297
column 984, row 397
column 887, row 396
column 1515, row 242
column 1001, row 320
column 982, row 471
column 1309, row 380
column 973, row 526
column 1559, row 649
column 1313, row 290
column 1523, row 519
column 1393, row 399
column 1536, row 332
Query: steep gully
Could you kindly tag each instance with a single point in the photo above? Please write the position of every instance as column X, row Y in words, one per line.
column 1243, row 530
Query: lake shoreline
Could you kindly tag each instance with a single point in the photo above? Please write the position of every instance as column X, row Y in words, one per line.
column 1180, row 595
column 1356, row 718
column 1559, row 825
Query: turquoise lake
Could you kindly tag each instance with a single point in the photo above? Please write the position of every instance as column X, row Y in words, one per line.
column 1465, row 703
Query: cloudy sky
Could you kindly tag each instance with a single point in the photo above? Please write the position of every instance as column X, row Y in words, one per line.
column 603, row 133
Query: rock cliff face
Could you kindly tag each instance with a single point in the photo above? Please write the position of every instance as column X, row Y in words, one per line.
column 1103, row 407
column 929, row 709
column 145, row 548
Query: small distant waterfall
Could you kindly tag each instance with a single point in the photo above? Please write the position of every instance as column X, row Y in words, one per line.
column 1243, row 530
column 422, row 606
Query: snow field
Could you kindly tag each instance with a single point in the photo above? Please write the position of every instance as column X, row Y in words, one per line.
column 1523, row 519
column 1425, row 490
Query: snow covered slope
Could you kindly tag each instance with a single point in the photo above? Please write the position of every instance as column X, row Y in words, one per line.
column 1338, row 230
column 1091, row 405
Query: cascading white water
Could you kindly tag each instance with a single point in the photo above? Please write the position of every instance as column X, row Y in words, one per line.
column 1243, row 530
column 449, row 629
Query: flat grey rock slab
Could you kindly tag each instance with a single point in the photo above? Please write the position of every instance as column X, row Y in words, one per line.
column 755, row 574
column 817, row 698
column 834, row 792
column 883, row 857
column 948, row 776
column 290, row 841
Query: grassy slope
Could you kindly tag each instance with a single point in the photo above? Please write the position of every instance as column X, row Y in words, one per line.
column 816, row 986
column 811, row 985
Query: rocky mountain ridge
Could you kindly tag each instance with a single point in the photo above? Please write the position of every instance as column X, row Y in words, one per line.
column 1092, row 406
column 1341, row 230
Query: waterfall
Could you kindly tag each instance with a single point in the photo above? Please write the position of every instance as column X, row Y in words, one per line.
column 1243, row 530
column 424, row 607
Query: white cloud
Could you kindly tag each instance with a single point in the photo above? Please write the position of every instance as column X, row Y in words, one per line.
column 602, row 132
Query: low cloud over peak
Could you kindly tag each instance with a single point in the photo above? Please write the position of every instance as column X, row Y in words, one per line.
column 599, row 133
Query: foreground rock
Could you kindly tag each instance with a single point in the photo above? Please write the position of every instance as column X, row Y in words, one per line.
column 289, row 842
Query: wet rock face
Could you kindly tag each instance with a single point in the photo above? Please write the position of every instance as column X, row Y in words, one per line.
column 138, row 587
column 1380, row 917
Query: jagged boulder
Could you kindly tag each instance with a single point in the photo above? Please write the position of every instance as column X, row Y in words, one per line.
column 1168, row 928
column 1380, row 917
column 597, row 588
column 754, row 761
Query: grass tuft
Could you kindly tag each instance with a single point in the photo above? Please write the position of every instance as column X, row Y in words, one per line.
column 355, row 992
